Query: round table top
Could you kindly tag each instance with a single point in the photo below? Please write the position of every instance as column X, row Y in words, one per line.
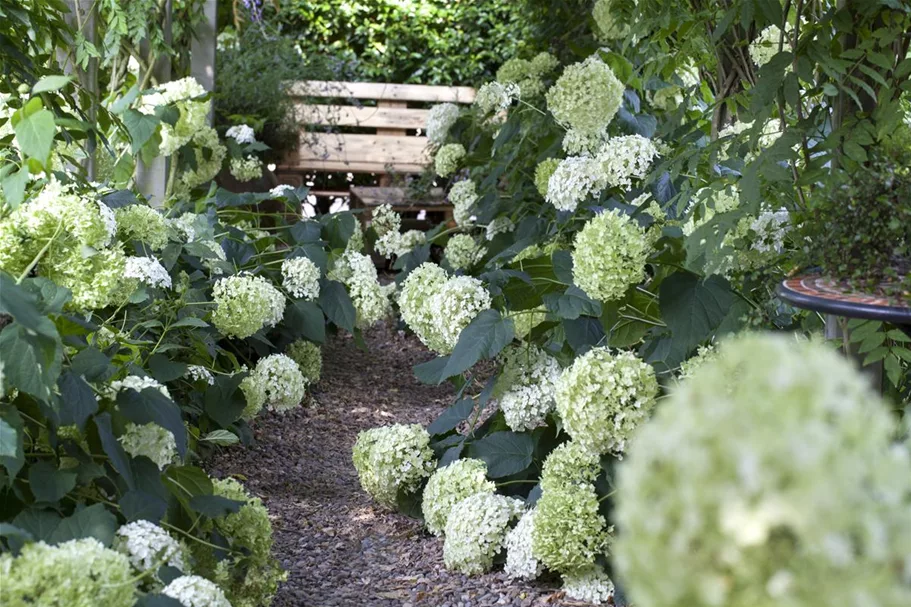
column 829, row 296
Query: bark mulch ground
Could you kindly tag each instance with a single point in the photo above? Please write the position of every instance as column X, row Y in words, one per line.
column 339, row 547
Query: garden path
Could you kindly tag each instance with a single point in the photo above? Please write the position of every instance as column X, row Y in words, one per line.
column 339, row 548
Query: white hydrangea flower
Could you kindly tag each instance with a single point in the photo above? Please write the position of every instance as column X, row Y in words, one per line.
column 199, row 373
column 569, row 464
column 151, row 441
column 242, row 133
column 609, row 255
column 603, row 398
column 440, row 120
column 148, row 271
column 280, row 190
column 450, row 485
column 526, row 386
column 109, row 219
column 462, row 252
column 195, row 591
column 463, row 195
column 448, row 159
column 495, row 97
column 285, row 385
column 579, row 143
column 392, row 458
column 765, row 45
column 300, row 277
column 770, row 228
column 569, row 531
column 416, row 301
column 476, row 530
column 385, row 220
column 711, row 202
column 586, row 97
column 520, row 559
column 575, row 179
column 358, row 273
column 246, row 169
column 137, row 383
column 457, row 303
column 171, row 92
column 245, row 304
column 592, row 586
column 626, row 158
column 771, row 476
column 500, row 225
column 148, row 546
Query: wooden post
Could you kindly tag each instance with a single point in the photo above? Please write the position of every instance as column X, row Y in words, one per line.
column 82, row 19
column 386, row 178
column 152, row 178
column 202, row 49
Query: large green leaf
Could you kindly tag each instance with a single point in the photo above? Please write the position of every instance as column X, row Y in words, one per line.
column 41, row 524
column 11, row 453
column 48, row 483
column 572, row 304
column 336, row 303
column 77, row 401
column 224, row 400
column 214, row 506
column 140, row 126
column 31, row 360
column 22, row 305
column 693, row 308
column 505, row 453
column 113, row 449
column 140, row 505
column 151, row 406
column 51, row 83
column 484, row 337
column 187, row 482
column 164, row 370
column 584, row 333
column 14, row 186
column 452, row 417
column 94, row 521
column 35, row 135
column 306, row 319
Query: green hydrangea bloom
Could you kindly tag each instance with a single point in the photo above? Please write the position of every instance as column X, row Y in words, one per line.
column 526, row 320
column 77, row 573
column 462, row 252
column 528, row 74
column 543, row 172
column 450, row 485
column 569, row 531
column 142, row 223
column 609, row 255
column 586, row 97
column 603, row 397
column 608, row 27
column 255, row 394
column 392, row 458
column 418, row 290
column 476, row 531
column 245, row 304
column 768, row 478
column 210, row 155
column 448, row 158
column 308, row 357
column 568, row 464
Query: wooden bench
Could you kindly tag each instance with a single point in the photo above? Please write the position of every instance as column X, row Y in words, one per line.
column 374, row 131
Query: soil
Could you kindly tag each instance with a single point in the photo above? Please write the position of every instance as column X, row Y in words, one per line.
column 338, row 546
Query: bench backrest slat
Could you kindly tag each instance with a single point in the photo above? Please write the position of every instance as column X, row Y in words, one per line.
column 369, row 117
column 382, row 91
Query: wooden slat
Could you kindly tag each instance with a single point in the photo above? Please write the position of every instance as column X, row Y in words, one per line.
column 382, row 90
column 360, row 149
column 335, row 166
column 375, row 196
column 367, row 117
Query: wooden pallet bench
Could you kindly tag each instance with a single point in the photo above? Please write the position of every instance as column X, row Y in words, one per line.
column 374, row 131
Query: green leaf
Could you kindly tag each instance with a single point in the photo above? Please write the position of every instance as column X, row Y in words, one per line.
column 92, row 364
column 451, row 417
column 157, row 600
column 431, row 372
column 221, row 437
column 141, row 505
column 214, row 506
column 505, row 453
column 31, row 360
column 22, row 305
column 306, row 231
column 35, row 135
column 224, row 401
column 51, row 83
column 94, row 521
column 484, row 337
column 48, row 484
column 306, row 319
column 336, row 303
column 14, row 186
column 190, row 321
column 41, row 524
column 16, row 537
column 11, row 453
column 693, row 308
column 151, row 406
column 164, row 370
column 572, row 304
column 338, row 229
column 187, row 482
column 113, row 449
column 141, row 128
column 583, row 333
column 77, row 401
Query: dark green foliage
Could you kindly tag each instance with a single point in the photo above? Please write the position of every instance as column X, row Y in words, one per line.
column 867, row 219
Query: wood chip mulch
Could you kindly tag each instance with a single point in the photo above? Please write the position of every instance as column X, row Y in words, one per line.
column 340, row 548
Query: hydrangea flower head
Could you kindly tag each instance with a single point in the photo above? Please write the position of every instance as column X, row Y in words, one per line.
column 586, row 96
column 526, row 386
column 495, row 97
column 457, row 303
column 779, row 483
column 462, row 252
column 300, row 277
column 245, row 304
column 499, row 225
column 603, row 397
column 393, row 458
column 521, row 562
column 543, row 172
column 626, row 158
column 152, row 441
column 569, row 531
column 440, row 120
column 450, row 485
column 591, row 585
column 416, row 301
column 284, row 384
column 527, row 75
column 385, row 220
column 607, row 26
column 241, row 133
column 308, row 357
column 574, row 180
column 765, row 46
column 148, row 271
column 246, row 169
column 476, row 531
column 138, row 383
column 210, row 154
column 358, row 273
column 78, row 572
column 148, row 546
column 609, row 255
column 569, row 464
column 142, row 223
column 463, row 195
column 196, row 591
column 200, row 373
column 448, row 158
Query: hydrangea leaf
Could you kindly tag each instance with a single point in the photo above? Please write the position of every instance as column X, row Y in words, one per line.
column 151, row 406
column 78, row 402
column 583, row 333
column 484, row 337
column 336, row 303
column 306, row 319
column 505, row 453
column 187, row 482
column 694, row 308
column 94, row 521
column 50, row 83
column 214, row 506
column 165, row 370
column 35, row 134
column 92, row 364
column 451, row 417
column 157, row 600
column 11, row 453
column 113, row 449
column 39, row 523
column 140, row 126
column 572, row 304
column 48, row 483
column 31, row 360
column 140, row 505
